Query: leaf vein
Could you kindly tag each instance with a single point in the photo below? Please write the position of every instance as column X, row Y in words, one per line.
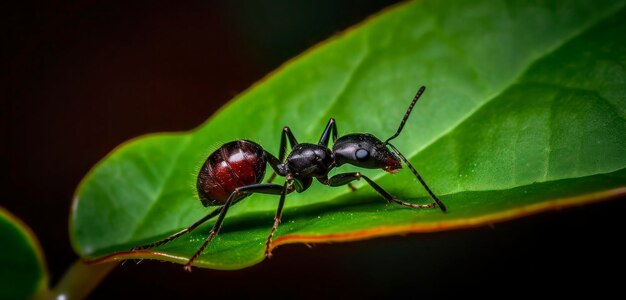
column 540, row 55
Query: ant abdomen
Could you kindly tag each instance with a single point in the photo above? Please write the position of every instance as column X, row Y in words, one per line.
column 233, row 165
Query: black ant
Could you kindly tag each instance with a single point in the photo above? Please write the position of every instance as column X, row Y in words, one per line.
column 236, row 170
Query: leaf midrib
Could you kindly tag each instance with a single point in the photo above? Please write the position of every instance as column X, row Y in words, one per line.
column 334, row 102
column 516, row 79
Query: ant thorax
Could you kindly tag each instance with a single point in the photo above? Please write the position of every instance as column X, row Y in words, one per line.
column 309, row 160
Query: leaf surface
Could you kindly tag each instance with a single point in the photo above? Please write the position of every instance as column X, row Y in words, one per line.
column 23, row 273
column 525, row 111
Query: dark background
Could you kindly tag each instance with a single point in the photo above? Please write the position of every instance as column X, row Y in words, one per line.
column 79, row 79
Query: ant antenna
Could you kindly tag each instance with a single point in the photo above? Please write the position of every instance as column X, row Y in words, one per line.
column 406, row 161
column 406, row 115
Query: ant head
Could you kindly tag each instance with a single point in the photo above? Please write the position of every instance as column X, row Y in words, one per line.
column 366, row 151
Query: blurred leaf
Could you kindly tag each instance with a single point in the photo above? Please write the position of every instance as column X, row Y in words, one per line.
column 23, row 274
column 525, row 111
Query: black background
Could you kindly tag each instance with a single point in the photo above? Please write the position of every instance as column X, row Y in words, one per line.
column 79, row 79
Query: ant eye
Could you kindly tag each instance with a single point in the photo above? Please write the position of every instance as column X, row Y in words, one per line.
column 362, row 155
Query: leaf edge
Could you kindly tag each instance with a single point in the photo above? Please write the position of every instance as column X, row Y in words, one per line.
column 384, row 231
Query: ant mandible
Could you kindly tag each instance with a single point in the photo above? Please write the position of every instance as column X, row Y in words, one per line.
column 236, row 170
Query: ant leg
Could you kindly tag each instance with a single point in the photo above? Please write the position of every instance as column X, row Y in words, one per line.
column 331, row 128
column 178, row 234
column 279, row 213
column 275, row 164
column 345, row 178
column 324, row 180
column 273, row 189
column 286, row 134
column 417, row 175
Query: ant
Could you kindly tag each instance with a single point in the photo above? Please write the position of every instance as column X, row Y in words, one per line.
column 236, row 170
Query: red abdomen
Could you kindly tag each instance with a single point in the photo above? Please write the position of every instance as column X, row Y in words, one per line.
column 233, row 165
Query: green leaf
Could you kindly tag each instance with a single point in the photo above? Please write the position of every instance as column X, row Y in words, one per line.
column 23, row 273
column 525, row 111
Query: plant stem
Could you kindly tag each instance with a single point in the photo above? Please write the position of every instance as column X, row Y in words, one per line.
column 79, row 280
